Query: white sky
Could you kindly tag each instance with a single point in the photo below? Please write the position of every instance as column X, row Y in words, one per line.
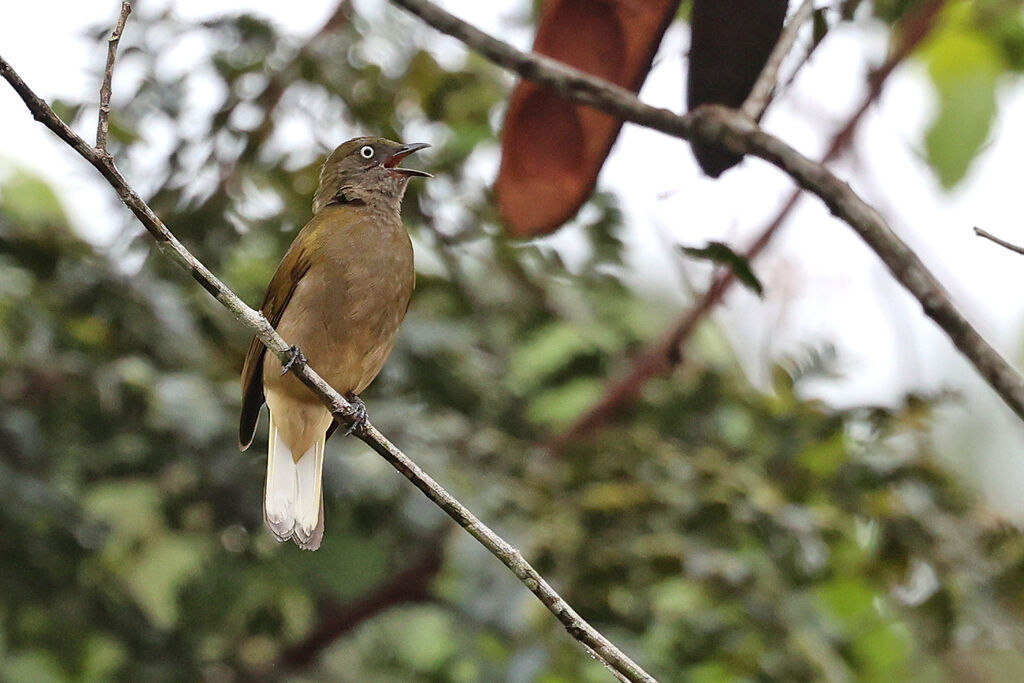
column 822, row 284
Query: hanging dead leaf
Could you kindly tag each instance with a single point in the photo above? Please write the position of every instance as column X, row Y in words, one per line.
column 553, row 150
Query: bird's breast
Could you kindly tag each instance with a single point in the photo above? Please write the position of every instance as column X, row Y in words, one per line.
column 345, row 312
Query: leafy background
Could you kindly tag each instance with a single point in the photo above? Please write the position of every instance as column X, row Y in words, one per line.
column 717, row 530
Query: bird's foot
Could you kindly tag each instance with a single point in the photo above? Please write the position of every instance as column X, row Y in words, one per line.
column 295, row 357
column 358, row 414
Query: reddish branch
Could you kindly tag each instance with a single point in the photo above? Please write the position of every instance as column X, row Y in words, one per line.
column 410, row 585
column 662, row 358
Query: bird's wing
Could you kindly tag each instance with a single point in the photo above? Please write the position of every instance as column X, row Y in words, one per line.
column 293, row 267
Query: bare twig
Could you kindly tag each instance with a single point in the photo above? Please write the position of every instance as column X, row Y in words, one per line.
column 761, row 93
column 599, row 646
column 103, row 119
column 740, row 135
column 1003, row 243
column 660, row 358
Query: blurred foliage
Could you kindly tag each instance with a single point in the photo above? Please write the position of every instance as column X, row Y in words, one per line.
column 716, row 532
column 975, row 44
column 969, row 54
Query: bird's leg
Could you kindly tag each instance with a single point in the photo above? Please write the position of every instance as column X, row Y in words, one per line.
column 295, row 356
column 359, row 416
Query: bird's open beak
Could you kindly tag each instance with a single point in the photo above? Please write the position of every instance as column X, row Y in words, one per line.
column 405, row 150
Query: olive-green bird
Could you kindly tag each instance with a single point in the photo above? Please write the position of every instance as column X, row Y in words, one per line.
column 339, row 295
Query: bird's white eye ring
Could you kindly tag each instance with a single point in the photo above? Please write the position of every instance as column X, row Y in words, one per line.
column 366, row 152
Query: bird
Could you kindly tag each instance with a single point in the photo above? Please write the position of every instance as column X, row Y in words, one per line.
column 338, row 297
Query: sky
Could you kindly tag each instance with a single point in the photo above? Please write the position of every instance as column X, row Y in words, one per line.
column 822, row 285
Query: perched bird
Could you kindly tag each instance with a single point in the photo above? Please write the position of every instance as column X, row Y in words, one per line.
column 339, row 296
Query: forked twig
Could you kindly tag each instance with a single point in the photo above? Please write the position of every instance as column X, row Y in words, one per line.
column 103, row 119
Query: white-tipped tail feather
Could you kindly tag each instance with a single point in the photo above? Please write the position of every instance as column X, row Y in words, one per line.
column 293, row 504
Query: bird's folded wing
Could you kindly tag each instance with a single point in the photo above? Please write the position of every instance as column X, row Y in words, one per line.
column 290, row 272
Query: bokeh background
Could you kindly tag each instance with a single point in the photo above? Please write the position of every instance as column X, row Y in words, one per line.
column 821, row 490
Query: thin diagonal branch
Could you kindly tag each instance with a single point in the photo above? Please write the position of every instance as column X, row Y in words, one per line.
column 1003, row 243
column 760, row 95
column 595, row 643
column 740, row 135
column 103, row 119
column 667, row 353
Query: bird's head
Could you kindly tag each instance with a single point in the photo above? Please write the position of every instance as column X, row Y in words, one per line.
column 366, row 169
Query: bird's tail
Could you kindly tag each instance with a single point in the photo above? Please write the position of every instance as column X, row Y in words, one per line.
column 293, row 499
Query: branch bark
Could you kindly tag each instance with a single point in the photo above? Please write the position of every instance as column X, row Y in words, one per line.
column 761, row 93
column 103, row 119
column 661, row 358
column 740, row 135
column 596, row 644
column 1001, row 242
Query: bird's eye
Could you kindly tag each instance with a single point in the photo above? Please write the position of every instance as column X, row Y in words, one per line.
column 366, row 152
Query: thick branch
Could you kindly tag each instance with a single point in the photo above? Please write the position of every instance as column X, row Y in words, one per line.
column 668, row 353
column 740, row 135
column 618, row 662
column 761, row 93
column 103, row 119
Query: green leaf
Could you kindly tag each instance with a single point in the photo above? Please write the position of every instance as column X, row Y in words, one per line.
column 719, row 253
column 607, row 496
column 102, row 657
column 31, row 201
column 129, row 507
column 162, row 569
column 677, row 597
column 121, row 132
column 551, row 348
column 428, row 642
column 825, row 457
column 964, row 65
column 884, row 651
column 713, row 672
column 560, row 406
column 849, row 599
column 34, row 665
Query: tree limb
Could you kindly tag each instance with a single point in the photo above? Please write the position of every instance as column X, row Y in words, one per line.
column 599, row 646
column 740, row 135
column 667, row 353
